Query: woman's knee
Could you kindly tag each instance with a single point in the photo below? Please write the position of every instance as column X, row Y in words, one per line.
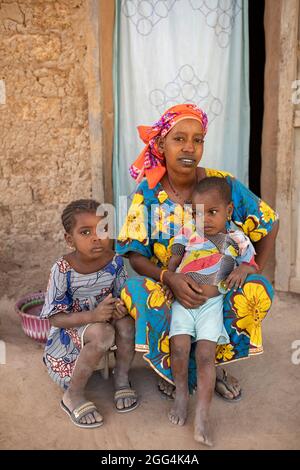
column 131, row 285
column 100, row 335
column 263, row 285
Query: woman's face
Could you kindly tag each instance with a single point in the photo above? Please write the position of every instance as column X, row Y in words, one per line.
column 183, row 145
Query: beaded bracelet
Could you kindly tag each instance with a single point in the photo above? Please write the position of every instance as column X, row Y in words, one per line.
column 162, row 275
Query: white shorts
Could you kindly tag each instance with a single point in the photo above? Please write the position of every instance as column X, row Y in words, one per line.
column 204, row 322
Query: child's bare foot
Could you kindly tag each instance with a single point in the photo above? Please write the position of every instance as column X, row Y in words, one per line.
column 201, row 428
column 73, row 400
column 178, row 412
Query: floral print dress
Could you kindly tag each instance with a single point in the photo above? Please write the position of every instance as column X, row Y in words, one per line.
column 153, row 238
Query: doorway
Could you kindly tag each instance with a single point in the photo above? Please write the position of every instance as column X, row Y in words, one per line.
column 257, row 58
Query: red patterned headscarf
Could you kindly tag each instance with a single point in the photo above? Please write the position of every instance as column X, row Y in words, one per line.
column 151, row 163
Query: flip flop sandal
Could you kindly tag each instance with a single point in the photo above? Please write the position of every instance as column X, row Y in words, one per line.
column 123, row 393
column 224, row 381
column 81, row 411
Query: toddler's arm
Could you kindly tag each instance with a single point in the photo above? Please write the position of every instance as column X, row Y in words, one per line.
column 177, row 255
column 238, row 276
column 174, row 262
column 246, row 249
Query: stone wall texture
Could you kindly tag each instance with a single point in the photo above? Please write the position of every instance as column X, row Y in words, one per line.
column 44, row 141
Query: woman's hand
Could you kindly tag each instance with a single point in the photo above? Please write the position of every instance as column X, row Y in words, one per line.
column 237, row 277
column 185, row 289
column 104, row 311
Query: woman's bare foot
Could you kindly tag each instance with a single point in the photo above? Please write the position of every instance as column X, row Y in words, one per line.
column 201, row 428
column 166, row 389
column 178, row 412
column 227, row 385
column 72, row 400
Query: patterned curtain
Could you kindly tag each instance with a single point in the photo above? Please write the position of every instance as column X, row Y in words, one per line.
column 174, row 51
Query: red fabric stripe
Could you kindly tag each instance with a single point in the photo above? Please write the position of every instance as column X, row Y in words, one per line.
column 202, row 263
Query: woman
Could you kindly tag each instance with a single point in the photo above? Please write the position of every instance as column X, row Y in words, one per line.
column 169, row 163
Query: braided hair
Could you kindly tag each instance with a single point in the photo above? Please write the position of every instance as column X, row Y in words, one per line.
column 77, row 207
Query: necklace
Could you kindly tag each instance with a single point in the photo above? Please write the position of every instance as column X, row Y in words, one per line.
column 176, row 193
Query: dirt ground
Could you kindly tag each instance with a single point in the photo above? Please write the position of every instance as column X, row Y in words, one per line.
column 268, row 417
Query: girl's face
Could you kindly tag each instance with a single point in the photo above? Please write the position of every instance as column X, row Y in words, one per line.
column 212, row 215
column 84, row 237
column 183, row 146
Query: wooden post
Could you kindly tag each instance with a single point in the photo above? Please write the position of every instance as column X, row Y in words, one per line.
column 285, row 154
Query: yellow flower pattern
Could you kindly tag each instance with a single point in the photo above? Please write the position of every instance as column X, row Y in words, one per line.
column 251, row 308
column 134, row 227
column 250, row 228
column 162, row 196
column 164, row 348
column 224, row 352
column 267, row 213
column 161, row 221
column 162, row 253
column 156, row 298
column 220, row 174
column 126, row 299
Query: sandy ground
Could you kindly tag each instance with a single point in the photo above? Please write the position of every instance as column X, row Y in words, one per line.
column 268, row 417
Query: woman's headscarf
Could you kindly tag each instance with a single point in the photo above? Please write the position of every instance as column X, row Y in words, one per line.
column 151, row 162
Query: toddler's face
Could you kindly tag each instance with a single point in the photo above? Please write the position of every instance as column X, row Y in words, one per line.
column 84, row 236
column 211, row 212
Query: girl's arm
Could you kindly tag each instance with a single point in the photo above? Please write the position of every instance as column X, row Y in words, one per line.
column 102, row 313
column 71, row 320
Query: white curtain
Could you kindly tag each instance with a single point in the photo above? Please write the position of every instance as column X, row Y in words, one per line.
column 175, row 51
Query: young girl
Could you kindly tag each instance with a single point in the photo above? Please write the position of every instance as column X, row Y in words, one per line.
column 208, row 252
column 86, row 316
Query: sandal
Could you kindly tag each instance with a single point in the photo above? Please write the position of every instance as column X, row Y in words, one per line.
column 123, row 393
column 79, row 412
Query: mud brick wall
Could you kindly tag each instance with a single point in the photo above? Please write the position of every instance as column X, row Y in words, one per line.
column 44, row 142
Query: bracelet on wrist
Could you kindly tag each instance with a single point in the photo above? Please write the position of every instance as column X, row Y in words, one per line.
column 161, row 276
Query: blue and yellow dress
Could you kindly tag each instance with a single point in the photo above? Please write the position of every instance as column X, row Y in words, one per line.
column 151, row 224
